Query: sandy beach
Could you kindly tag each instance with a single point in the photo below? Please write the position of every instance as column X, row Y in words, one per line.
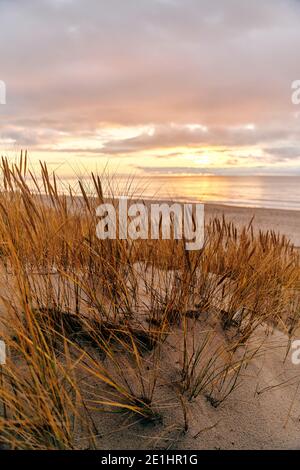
column 283, row 221
column 287, row 222
column 158, row 348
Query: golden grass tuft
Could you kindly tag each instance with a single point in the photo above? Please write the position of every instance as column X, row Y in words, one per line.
column 86, row 322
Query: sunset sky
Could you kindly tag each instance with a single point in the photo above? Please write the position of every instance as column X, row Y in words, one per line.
column 152, row 86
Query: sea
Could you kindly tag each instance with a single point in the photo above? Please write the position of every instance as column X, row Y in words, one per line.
column 272, row 192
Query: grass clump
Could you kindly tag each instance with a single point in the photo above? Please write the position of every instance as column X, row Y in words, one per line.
column 88, row 323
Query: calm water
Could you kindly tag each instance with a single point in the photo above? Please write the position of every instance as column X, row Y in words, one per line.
column 280, row 192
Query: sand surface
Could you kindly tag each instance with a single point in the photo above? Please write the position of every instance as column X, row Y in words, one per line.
column 286, row 222
column 263, row 412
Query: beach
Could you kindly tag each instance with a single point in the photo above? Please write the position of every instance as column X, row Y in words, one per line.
column 159, row 347
column 286, row 222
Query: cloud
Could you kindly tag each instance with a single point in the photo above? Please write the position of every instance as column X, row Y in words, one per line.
column 235, row 171
column 72, row 67
column 284, row 153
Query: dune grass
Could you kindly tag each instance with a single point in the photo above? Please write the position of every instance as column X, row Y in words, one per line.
column 86, row 322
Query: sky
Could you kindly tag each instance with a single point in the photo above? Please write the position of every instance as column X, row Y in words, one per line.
column 152, row 86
